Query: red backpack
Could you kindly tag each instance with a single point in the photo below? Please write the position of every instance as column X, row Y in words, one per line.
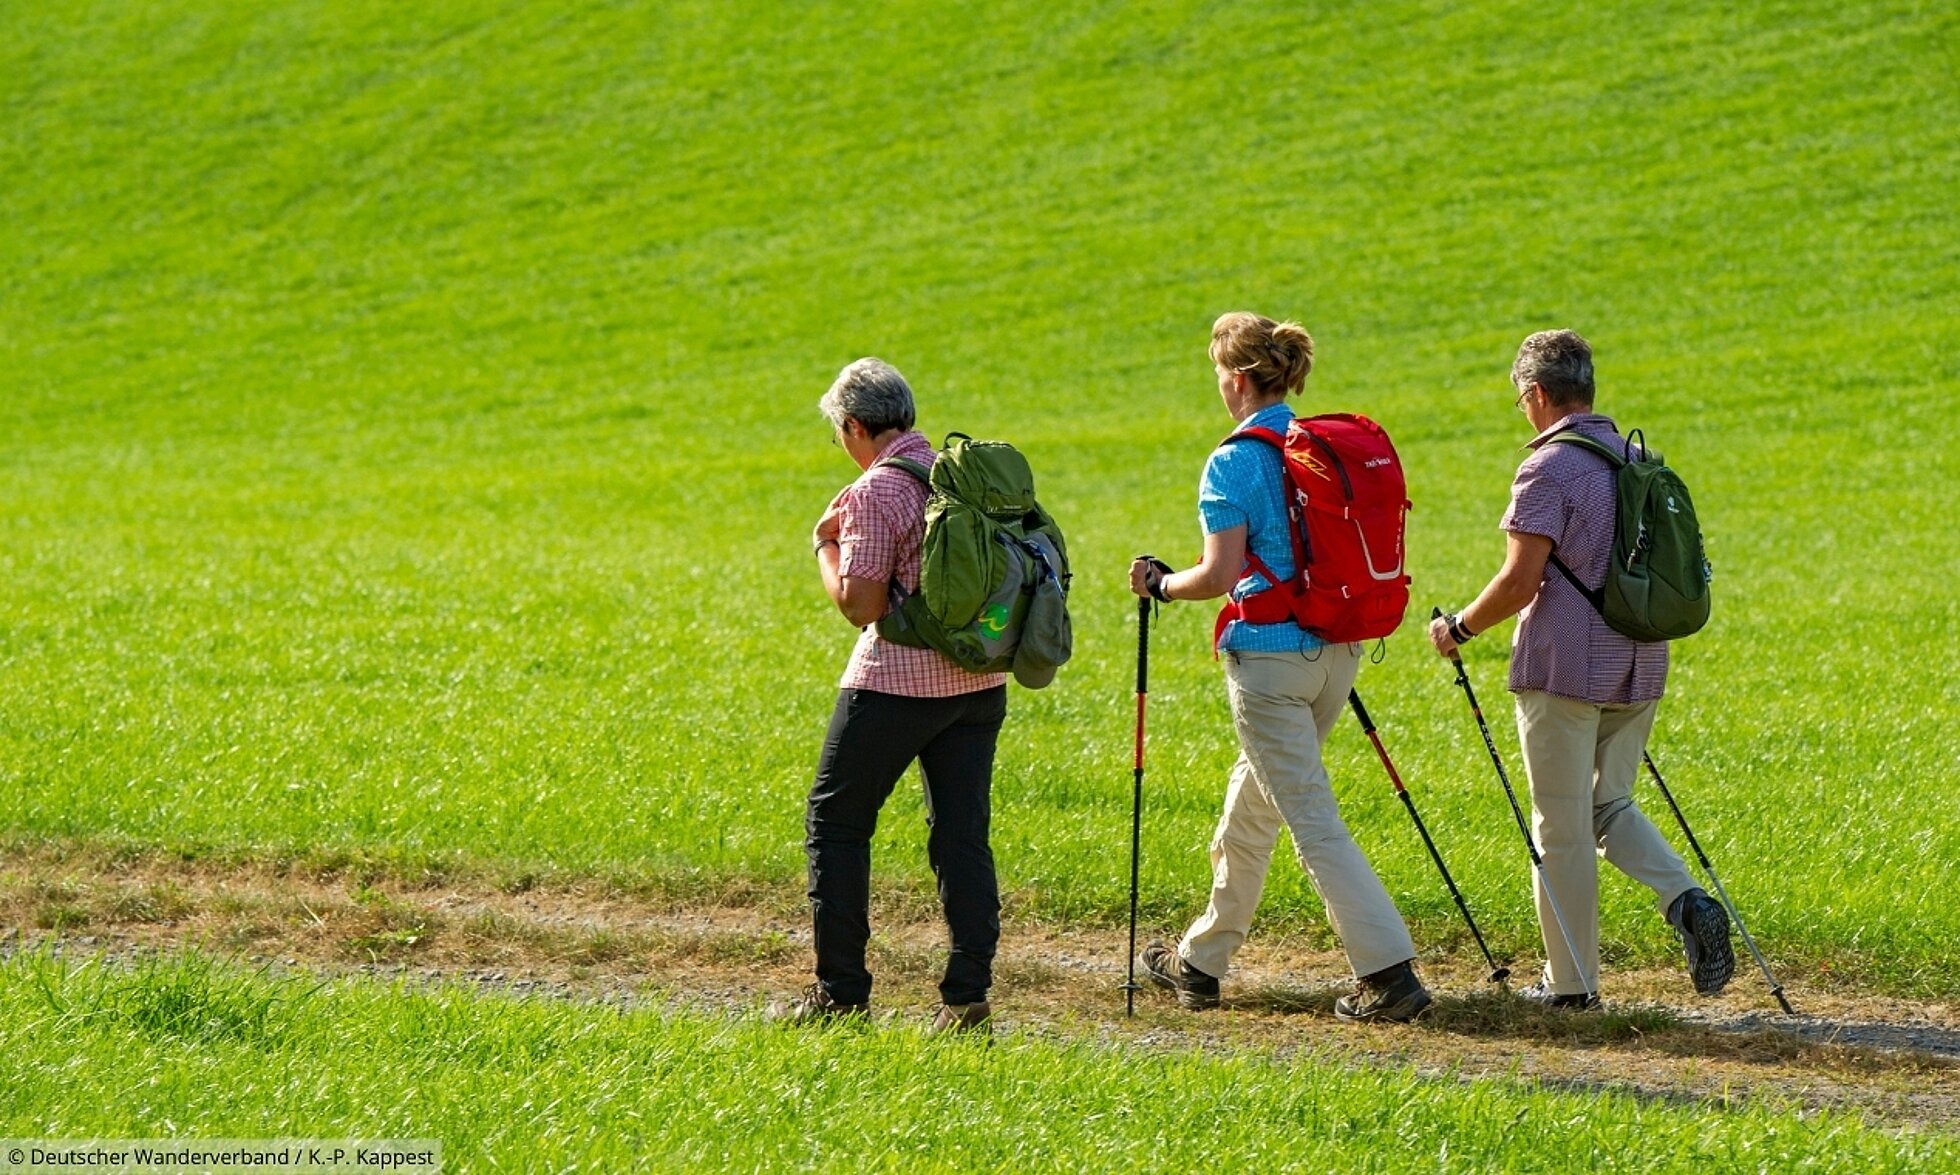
column 1345, row 503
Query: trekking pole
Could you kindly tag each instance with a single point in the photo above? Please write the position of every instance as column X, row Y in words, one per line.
column 1130, row 988
column 1708, row 867
column 1497, row 974
column 1537, row 862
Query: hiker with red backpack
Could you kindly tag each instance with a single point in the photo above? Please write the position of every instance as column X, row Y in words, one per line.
column 1291, row 655
column 1602, row 587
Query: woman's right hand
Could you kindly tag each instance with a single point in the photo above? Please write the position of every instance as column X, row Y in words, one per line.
column 1145, row 572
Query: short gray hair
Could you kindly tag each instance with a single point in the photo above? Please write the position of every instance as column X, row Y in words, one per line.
column 871, row 392
column 1558, row 361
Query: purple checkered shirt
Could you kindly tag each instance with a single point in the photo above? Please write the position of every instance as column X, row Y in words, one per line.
column 1562, row 646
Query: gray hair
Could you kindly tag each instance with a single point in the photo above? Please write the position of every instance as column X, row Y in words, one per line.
column 1558, row 361
column 871, row 392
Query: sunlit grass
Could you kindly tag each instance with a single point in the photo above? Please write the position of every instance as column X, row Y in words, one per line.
column 408, row 445
column 539, row 1084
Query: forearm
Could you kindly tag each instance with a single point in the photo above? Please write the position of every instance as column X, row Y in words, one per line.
column 1504, row 597
column 828, row 558
column 1207, row 581
column 860, row 601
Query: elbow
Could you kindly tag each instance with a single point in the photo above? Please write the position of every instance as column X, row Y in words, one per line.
column 861, row 615
column 1517, row 593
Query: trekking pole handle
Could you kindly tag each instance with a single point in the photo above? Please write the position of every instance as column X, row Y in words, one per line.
column 1143, row 646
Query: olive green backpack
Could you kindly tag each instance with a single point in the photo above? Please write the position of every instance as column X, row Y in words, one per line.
column 993, row 567
column 1657, row 581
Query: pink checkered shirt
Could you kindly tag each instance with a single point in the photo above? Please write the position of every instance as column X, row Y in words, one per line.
column 883, row 525
column 1562, row 646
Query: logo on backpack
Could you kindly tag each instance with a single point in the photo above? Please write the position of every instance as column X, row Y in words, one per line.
column 1658, row 576
column 993, row 567
column 1346, row 503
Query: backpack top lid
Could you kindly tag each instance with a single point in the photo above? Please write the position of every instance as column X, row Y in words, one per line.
column 991, row 474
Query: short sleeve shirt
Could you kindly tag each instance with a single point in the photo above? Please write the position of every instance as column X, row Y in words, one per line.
column 881, row 530
column 1565, row 493
column 1244, row 485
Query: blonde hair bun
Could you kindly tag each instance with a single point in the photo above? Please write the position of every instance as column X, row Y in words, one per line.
column 1276, row 355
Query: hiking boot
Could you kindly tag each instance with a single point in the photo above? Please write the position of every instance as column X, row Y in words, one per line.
column 1393, row 993
column 1542, row 995
column 815, row 1006
column 974, row 1019
column 1704, row 927
column 1195, row 989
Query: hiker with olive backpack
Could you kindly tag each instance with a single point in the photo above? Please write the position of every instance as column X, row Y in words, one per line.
column 1605, row 561
column 955, row 577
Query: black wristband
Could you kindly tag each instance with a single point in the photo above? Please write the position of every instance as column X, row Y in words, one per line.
column 1459, row 631
column 1158, row 591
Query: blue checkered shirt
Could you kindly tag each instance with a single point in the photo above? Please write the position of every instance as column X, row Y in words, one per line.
column 1244, row 485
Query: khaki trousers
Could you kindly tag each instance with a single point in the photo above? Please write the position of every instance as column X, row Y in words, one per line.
column 1283, row 705
column 1581, row 759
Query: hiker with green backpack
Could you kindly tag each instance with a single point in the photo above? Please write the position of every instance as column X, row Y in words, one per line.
column 1605, row 561
column 955, row 577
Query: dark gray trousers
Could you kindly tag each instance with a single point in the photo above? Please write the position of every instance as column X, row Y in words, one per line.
column 873, row 738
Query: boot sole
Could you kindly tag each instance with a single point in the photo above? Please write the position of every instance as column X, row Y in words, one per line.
column 1714, row 964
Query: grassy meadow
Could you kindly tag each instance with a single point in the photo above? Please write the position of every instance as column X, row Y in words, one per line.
column 408, row 443
column 530, row 1085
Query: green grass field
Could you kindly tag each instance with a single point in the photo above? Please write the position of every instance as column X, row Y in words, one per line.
column 408, row 444
column 537, row 1086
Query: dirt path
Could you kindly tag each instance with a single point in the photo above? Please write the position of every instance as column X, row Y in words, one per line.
column 1654, row 1039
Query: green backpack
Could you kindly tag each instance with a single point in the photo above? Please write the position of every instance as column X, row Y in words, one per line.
column 1657, row 581
column 993, row 568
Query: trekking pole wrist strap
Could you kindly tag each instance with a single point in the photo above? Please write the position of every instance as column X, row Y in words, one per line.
column 1158, row 591
column 1459, row 631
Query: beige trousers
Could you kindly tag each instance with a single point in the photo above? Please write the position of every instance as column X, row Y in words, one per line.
column 1283, row 705
column 1581, row 759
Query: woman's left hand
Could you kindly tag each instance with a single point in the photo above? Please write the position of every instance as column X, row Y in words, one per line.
column 1143, row 573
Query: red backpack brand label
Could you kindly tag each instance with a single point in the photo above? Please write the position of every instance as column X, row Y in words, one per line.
column 1346, row 504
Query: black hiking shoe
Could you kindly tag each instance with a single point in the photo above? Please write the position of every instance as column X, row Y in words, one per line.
column 974, row 1019
column 815, row 1006
column 1575, row 1001
column 1704, row 927
column 1393, row 993
column 1195, row 989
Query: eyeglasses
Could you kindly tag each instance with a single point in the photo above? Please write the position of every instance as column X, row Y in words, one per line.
column 1521, row 396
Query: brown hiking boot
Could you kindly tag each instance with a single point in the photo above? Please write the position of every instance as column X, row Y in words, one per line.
column 1393, row 993
column 976, row 1018
column 1195, row 989
column 814, row 1006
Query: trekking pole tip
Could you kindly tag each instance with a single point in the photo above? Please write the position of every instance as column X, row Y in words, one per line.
column 1500, row 975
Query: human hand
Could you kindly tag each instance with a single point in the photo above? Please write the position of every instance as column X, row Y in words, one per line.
column 1439, row 635
column 831, row 524
column 1146, row 572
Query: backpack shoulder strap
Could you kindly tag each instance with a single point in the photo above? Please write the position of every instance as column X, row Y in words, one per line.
column 1590, row 444
column 1257, row 433
column 908, row 465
